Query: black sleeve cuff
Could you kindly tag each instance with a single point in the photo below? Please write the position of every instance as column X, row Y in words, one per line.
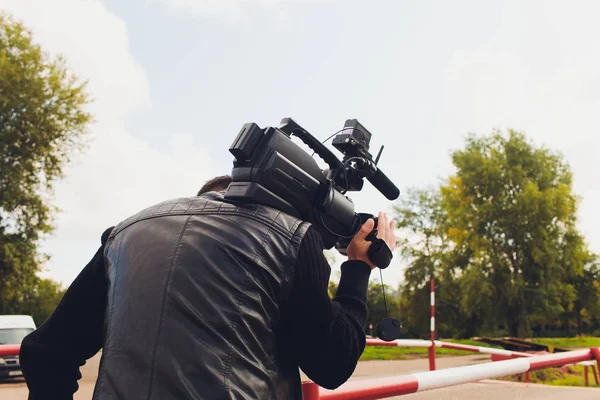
column 354, row 280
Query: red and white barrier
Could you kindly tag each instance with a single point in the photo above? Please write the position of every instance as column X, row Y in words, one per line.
column 9, row 349
column 479, row 349
column 379, row 388
column 431, row 351
column 499, row 353
column 446, row 345
column 400, row 343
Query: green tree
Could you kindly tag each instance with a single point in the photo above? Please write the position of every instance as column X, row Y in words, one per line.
column 332, row 289
column 420, row 216
column 426, row 249
column 377, row 304
column 511, row 215
column 585, row 310
column 42, row 121
column 43, row 299
column 333, row 282
column 500, row 239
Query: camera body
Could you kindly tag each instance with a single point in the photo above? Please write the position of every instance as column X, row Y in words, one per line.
column 270, row 169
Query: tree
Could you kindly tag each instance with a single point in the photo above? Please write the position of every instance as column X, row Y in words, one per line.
column 376, row 304
column 420, row 216
column 332, row 289
column 500, row 239
column 333, row 284
column 427, row 250
column 586, row 307
column 511, row 214
column 42, row 121
column 43, row 299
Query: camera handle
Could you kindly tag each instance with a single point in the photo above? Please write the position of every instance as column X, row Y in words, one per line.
column 291, row 127
column 379, row 252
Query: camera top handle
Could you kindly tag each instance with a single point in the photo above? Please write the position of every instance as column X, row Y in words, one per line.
column 291, row 127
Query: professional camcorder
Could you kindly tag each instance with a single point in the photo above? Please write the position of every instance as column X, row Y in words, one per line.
column 271, row 169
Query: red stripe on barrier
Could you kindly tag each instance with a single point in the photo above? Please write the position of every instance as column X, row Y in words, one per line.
column 552, row 360
column 519, row 354
column 501, row 357
column 378, row 342
column 465, row 347
column 10, row 349
column 378, row 388
column 596, row 353
column 310, row 390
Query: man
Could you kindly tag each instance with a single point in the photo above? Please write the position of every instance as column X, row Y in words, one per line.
column 197, row 298
column 217, row 184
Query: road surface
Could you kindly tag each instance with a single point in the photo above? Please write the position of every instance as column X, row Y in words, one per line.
column 488, row 390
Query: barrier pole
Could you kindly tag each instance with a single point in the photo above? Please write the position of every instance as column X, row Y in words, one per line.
column 379, row 388
column 432, row 347
column 310, row 390
column 586, row 375
column 10, row 350
column 447, row 345
column 595, row 373
column 596, row 353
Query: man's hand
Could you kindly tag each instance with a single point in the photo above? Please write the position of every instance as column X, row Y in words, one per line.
column 358, row 247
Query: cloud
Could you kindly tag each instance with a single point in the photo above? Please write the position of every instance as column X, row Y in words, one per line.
column 234, row 10
column 118, row 174
column 94, row 42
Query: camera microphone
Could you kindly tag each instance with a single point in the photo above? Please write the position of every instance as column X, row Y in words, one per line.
column 384, row 185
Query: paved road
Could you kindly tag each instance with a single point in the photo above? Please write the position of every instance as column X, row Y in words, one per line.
column 492, row 390
column 488, row 390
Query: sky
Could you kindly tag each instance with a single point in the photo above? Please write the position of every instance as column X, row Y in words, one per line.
column 173, row 81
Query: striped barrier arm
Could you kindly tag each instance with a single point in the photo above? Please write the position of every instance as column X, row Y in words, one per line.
column 446, row 345
column 9, row 349
column 379, row 388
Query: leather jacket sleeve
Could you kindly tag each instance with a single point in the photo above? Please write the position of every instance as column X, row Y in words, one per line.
column 51, row 355
column 327, row 336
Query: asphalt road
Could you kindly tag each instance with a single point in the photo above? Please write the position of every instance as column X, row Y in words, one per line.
column 486, row 390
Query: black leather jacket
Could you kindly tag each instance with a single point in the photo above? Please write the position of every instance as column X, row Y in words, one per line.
column 201, row 282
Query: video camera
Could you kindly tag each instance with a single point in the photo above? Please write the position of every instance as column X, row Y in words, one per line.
column 271, row 169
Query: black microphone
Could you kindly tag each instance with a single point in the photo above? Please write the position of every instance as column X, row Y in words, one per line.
column 384, row 185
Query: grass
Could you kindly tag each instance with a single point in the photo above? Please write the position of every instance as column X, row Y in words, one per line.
column 572, row 375
column 576, row 342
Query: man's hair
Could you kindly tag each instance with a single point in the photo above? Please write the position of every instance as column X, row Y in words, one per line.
column 215, row 184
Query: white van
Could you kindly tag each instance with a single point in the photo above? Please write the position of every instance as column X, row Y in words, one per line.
column 13, row 329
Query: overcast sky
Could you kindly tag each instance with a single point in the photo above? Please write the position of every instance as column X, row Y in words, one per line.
column 174, row 81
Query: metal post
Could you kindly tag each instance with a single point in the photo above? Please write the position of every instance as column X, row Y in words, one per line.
column 432, row 346
column 586, row 375
column 596, row 354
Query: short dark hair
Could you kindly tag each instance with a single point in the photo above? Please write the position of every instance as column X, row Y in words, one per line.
column 215, row 184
